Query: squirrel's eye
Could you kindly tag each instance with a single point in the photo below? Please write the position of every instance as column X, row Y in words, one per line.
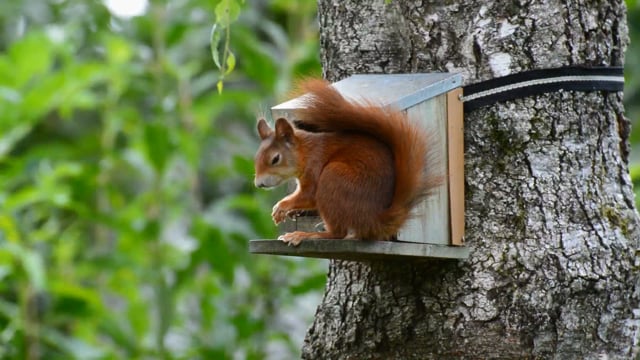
column 276, row 159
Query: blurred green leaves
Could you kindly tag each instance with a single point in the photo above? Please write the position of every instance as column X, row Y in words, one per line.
column 158, row 145
column 632, row 91
column 227, row 11
column 126, row 196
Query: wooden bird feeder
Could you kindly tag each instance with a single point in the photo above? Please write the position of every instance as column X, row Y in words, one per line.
column 437, row 228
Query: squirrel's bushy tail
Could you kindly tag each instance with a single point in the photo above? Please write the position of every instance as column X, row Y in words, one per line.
column 325, row 110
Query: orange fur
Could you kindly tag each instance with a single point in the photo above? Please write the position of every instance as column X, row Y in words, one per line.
column 363, row 168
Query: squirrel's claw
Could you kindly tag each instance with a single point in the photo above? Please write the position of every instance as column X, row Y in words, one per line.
column 291, row 239
column 278, row 215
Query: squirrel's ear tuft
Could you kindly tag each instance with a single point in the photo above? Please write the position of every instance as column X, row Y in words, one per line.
column 284, row 130
column 263, row 129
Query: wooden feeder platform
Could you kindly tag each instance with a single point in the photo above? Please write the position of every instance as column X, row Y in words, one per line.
column 436, row 229
column 359, row 249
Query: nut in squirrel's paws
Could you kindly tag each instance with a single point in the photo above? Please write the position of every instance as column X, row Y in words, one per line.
column 291, row 239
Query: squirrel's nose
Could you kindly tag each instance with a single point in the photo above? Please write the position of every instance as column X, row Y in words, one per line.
column 259, row 183
column 266, row 181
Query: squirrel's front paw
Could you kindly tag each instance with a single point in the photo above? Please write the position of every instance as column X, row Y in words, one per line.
column 292, row 238
column 278, row 214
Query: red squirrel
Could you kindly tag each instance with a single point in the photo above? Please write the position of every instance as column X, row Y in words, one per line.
column 362, row 168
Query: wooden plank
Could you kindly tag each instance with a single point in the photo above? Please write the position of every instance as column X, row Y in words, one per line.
column 430, row 219
column 302, row 223
column 282, row 113
column 359, row 250
column 456, row 165
column 400, row 91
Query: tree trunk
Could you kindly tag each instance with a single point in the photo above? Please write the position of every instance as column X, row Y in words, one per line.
column 550, row 210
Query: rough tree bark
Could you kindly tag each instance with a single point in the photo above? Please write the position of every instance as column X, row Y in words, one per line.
column 550, row 210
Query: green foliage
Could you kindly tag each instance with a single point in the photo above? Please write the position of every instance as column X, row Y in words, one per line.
column 227, row 11
column 632, row 90
column 126, row 196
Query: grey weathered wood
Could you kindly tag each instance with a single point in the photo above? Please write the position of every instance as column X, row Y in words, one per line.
column 430, row 220
column 302, row 223
column 549, row 206
column 400, row 91
column 359, row 250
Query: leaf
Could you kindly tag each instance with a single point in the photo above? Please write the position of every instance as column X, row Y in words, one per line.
column 217, row 31
column 214, row 249
column 243, row 165
column 121, row 335
column 230, row 63
column 635, row 173
column 9, row 310
column 9, row 229
column 10, row 138
column 81, row 298
column 4, row 272
column 31, row 57
column 32, row 264
column 10, row 95
column 260, row 60
column 227, row 11
column 118, row 50
column 22, row 198
column 309, row 284
column 158, row 145
column 43, row 96
column 75, row 348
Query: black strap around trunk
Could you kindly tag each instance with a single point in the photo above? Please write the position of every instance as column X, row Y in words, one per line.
column 535, row 82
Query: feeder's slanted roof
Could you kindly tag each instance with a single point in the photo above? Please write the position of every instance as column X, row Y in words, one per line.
column 400, row 91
